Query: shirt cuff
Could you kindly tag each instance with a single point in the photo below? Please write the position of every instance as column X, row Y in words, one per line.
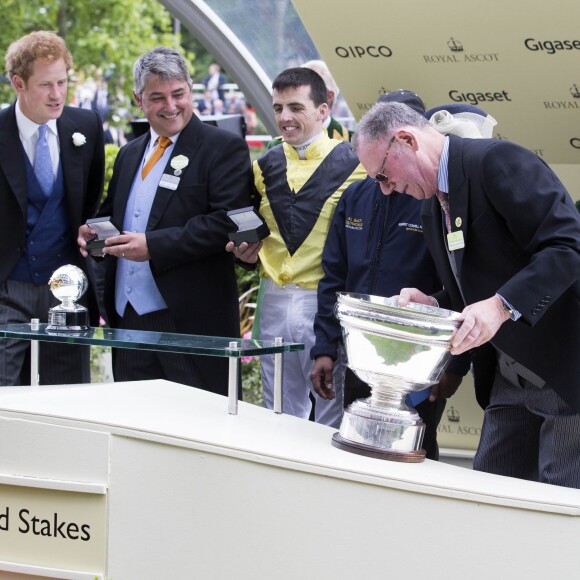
column 514, row 314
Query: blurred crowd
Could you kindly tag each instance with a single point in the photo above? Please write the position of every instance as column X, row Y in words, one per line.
column 222, row 98
column 214, row 96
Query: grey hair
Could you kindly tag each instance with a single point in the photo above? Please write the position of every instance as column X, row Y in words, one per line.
column 164, row 62
column 383, row 119
column 322, row 69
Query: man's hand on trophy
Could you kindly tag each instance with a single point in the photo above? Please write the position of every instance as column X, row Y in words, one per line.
column 245, row 252
column 407, row 295
column 446, row 387
column 481, row 321
column 321, row 377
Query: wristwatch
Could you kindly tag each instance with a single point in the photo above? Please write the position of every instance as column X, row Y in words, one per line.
column 508, row 308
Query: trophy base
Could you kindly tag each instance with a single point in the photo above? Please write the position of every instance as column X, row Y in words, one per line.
column 389, row 432
column 376, row 452
column 68, row 320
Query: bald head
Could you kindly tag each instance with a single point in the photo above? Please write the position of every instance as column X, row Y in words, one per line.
column 399, row 148
column 383, row 119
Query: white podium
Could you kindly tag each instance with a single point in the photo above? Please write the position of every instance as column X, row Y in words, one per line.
column 154, row 480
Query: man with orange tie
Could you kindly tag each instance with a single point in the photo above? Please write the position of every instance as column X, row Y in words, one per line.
column 170, row 193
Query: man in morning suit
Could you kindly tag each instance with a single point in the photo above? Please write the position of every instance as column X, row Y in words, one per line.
column 375, row 246
column 51, row 180
column 505, row 238
column 170, row 193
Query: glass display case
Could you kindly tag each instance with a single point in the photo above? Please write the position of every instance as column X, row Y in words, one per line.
column 232, row 348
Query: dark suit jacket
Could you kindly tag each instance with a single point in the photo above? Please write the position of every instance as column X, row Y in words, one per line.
column 522, row 240
column 83, row 171
column 187, row 231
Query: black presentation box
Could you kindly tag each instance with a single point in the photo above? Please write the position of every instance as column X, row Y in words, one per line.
column 105, row 228
column 251, row 226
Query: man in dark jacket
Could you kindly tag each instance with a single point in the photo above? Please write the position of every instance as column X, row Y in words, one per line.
column 505, row 237
column 374, row 245
column 170, row 193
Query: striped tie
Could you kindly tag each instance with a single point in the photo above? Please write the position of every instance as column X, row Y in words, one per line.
column 162, row 144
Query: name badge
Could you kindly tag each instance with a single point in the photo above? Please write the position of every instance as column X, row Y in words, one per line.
column 455, row 241
column 169, row 181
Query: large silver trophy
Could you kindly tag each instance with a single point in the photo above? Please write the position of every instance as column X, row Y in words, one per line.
column 396, row 351
column 68, row 283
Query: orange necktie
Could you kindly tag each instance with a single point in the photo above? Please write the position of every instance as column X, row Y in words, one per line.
column 162, row 144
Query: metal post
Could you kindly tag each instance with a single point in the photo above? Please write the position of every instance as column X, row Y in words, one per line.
column 278, row 370
column 34, row 353
column 233, row 381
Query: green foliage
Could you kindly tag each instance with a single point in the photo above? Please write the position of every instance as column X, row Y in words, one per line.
column 578, row 205
column 248, row 283
column 110, row 155
column 105, row 37
column 246, row 279
column 202, row 58
column 252, row 382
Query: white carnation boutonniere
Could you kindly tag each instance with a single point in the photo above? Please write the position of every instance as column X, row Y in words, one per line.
column 78, row 139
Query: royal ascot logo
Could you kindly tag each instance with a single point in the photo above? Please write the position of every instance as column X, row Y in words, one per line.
column 458, row 55
column 453, row 426
column 566, row 103
column 453, row 415
column 372, row 50
column 474, row 98
column 551, row 47
column 454, row 45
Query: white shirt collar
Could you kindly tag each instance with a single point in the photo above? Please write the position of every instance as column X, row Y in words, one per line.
column 27, row 128
column 155, row 136
column 301, row 149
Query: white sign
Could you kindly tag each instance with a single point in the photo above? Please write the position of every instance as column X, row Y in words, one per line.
column 53, row 528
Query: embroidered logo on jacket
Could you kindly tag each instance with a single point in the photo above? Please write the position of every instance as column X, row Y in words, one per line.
column 411, row 227
column 353, row 223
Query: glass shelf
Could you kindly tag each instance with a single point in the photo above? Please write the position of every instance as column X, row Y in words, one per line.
column 147, row 340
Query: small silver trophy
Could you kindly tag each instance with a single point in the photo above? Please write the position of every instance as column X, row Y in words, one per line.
column 68, row 283
column 396, row 351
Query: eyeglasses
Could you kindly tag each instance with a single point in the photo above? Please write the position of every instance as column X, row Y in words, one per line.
column 380, row 177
